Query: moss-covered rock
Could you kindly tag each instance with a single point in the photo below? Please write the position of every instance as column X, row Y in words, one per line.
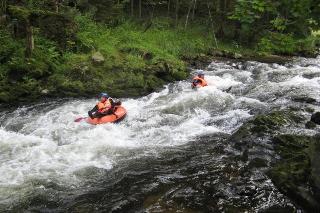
column 97, row 58
column 310, row 125
column 316, row 118
column 297, row 173
column 266, row 124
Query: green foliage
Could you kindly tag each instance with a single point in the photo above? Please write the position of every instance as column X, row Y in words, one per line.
column 8, row 47
column 277, row 43
column 247, row 12
column 286, row 44
column 279, row 23
column 139, row 54
column 22, row 13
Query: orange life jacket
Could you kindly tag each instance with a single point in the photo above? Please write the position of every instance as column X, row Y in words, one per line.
column 203, row 82
column 104, row 106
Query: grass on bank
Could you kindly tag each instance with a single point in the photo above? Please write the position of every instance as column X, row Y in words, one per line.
column 138, row 58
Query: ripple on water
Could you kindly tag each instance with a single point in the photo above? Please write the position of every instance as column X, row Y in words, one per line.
column 169, row 154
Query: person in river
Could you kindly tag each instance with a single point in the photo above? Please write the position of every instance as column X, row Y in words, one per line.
column 199, row 81
column 106, row 106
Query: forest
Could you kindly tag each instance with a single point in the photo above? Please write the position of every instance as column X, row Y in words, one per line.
column 77, row 48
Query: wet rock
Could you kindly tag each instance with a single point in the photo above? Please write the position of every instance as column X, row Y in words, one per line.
column 277, row 208
column 227, row 54
column 258, row 163
column 97, row 58
column 309, row 109
column 311, row 75
column 311, row 125
column 255, row 147
column 304, row 99
column 263, row 125
column 201, row 61
column 237, row 56
column 297, row 174
column 316, row 118
column 217, row 53
column 44, row 91
column 269, row 59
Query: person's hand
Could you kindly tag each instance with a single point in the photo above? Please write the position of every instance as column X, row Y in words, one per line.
column 90, row 114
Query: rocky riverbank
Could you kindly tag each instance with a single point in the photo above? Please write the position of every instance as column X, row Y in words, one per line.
column 87, row 75
column 291, row 160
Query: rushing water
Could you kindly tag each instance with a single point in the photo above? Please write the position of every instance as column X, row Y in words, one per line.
column 170, row 154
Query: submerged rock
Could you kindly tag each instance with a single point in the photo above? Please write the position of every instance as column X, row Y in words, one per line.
column 266, row 124
column 304, row 99
column 311, row 125
column 316, row 118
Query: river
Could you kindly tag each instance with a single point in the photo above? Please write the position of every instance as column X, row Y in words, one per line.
column 170, row 154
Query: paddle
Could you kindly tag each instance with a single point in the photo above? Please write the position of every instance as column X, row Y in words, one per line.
column 227, row 90
column 79, row 119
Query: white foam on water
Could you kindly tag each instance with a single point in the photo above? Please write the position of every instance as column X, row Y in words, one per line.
column 45, row 143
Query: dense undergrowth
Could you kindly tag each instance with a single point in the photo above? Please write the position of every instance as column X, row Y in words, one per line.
column 137, row 58
column 135, row 61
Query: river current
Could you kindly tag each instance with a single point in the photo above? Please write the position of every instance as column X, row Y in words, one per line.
column 170, row 154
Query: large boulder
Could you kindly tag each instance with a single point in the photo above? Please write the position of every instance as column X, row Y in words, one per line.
column 297, row 174
column 315, row 118
column 310, row 125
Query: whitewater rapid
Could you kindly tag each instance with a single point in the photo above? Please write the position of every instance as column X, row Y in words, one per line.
column 42, row 143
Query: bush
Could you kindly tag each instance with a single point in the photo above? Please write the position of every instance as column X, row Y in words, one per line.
column 9, row 47
column 278, row 43
column 286, row 44
column 308, row 45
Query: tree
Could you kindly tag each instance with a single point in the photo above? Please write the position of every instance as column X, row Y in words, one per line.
column 140, row 8
column 194, row 9
column 3, row 7
column 24, row 15
column 187, row 18
column 212, row 25
column 177, row 11
column 132, row 8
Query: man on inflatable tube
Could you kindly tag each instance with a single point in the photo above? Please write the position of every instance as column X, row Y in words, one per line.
column 198, row 81
column 104, row 107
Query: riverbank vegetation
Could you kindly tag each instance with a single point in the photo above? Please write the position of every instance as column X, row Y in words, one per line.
column 77, row 48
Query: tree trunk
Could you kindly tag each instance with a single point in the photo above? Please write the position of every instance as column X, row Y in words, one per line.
column 152, row 12
column 187, row 18
column 212, row 26
column 3, row 8
column 194, row 9
column 140, row 9
column 222, row 15
column 56, row 6
column 132, row 5
column 168, row 11
column 177, row 12
column 30, row 39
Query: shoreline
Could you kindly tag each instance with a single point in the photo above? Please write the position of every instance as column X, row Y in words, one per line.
column 201, row 61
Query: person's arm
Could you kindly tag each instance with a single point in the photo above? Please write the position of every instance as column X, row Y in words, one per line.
column 195, row 82
column 112, row 102
column 93, row 111
column 95, row 108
